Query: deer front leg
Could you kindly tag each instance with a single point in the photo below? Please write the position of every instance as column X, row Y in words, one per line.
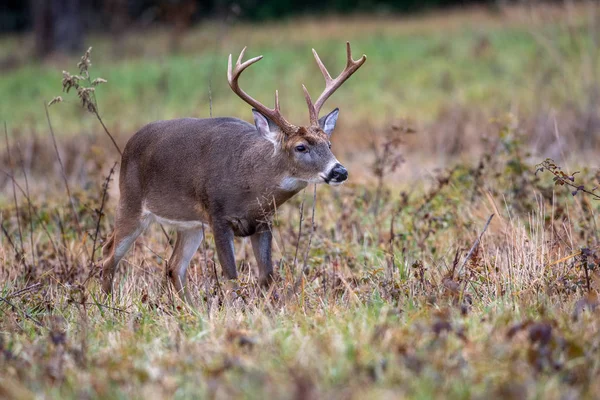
column 186, row 245
column 261, row 244
column 224, row 243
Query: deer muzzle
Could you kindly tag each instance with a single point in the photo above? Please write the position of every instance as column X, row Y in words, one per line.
column 337, row 175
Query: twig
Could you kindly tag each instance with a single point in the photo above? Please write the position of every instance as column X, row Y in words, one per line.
column 25, row 313
column 299, row 235
column 470, row 253
column 39, row 218
column 68, row 258
column 97, row 113
column 30, row 213
column 161, row 258
column 101, row 209
column 312, row 232
column 108, row 133
column 24, row 290
column 62, row 170
column 304, row 269
column 9, row 239
column 107, row 306
column 100, row 213
column 164, row 231
column 562, row 178
column 277, row 225
column 14, row 190
column 392, row 257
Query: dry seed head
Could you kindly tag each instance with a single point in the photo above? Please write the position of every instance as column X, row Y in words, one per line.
column 70, row 81
column 85, row 63
column 57, row 99
column 98, row 81
column 86, row 99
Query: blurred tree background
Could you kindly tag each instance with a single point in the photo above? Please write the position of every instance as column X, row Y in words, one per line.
column 61, row 24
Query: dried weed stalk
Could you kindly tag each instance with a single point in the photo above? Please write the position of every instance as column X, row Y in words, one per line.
column 86, row 92
column 562, row 178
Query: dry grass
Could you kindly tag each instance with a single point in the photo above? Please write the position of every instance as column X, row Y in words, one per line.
column 397, row 300
column 385, row 310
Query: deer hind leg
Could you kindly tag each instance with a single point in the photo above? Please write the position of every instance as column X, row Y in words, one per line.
column 127, row 229
column 186, row 245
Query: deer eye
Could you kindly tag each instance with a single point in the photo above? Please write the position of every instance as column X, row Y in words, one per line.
column 301, row 148
column 329, row 144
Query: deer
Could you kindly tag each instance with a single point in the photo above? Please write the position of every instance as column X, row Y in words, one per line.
column 223, row 172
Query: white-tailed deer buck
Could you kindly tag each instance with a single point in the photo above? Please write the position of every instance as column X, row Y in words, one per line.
column 224, row 172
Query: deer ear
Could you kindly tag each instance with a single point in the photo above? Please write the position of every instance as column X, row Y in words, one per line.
column 327, row 123
column 265, row 127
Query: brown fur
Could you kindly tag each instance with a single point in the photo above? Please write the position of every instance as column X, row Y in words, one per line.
column 311, row 135
column 224, row 172
column 218, row 171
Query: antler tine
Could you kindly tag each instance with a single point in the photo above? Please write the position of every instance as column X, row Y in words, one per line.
column 324, row 71
column 331, row 84
column 311, row 108
column 239, row 67
column 233, row 75
column 241, row 57
column 349, row 60
column 229, row 70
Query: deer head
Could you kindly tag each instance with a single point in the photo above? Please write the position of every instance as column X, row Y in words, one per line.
column 307, row 149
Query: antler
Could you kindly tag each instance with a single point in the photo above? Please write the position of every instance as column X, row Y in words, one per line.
column 232, row 77
column 331, row 85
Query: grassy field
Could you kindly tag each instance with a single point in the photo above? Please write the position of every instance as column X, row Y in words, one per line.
column 476, row 280
column 447, row 76
column 416, row 67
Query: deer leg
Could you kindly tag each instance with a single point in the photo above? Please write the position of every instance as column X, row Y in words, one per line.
column 261, row 244
column 223, row 235
column 127, row 229
column 186, row 245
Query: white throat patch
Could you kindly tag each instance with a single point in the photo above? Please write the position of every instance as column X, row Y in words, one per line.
column 290, row 184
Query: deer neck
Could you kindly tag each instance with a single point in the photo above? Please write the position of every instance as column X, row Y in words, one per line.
column 272, row 175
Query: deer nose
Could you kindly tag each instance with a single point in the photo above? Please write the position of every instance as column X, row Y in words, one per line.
column 338, row 173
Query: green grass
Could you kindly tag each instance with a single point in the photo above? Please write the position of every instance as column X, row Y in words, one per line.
column 408, row 73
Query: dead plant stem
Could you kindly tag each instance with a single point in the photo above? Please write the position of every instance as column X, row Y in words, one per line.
column 62, row 171
column 14, row 190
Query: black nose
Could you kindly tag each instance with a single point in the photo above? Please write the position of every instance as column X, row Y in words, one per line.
column 338, row 173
